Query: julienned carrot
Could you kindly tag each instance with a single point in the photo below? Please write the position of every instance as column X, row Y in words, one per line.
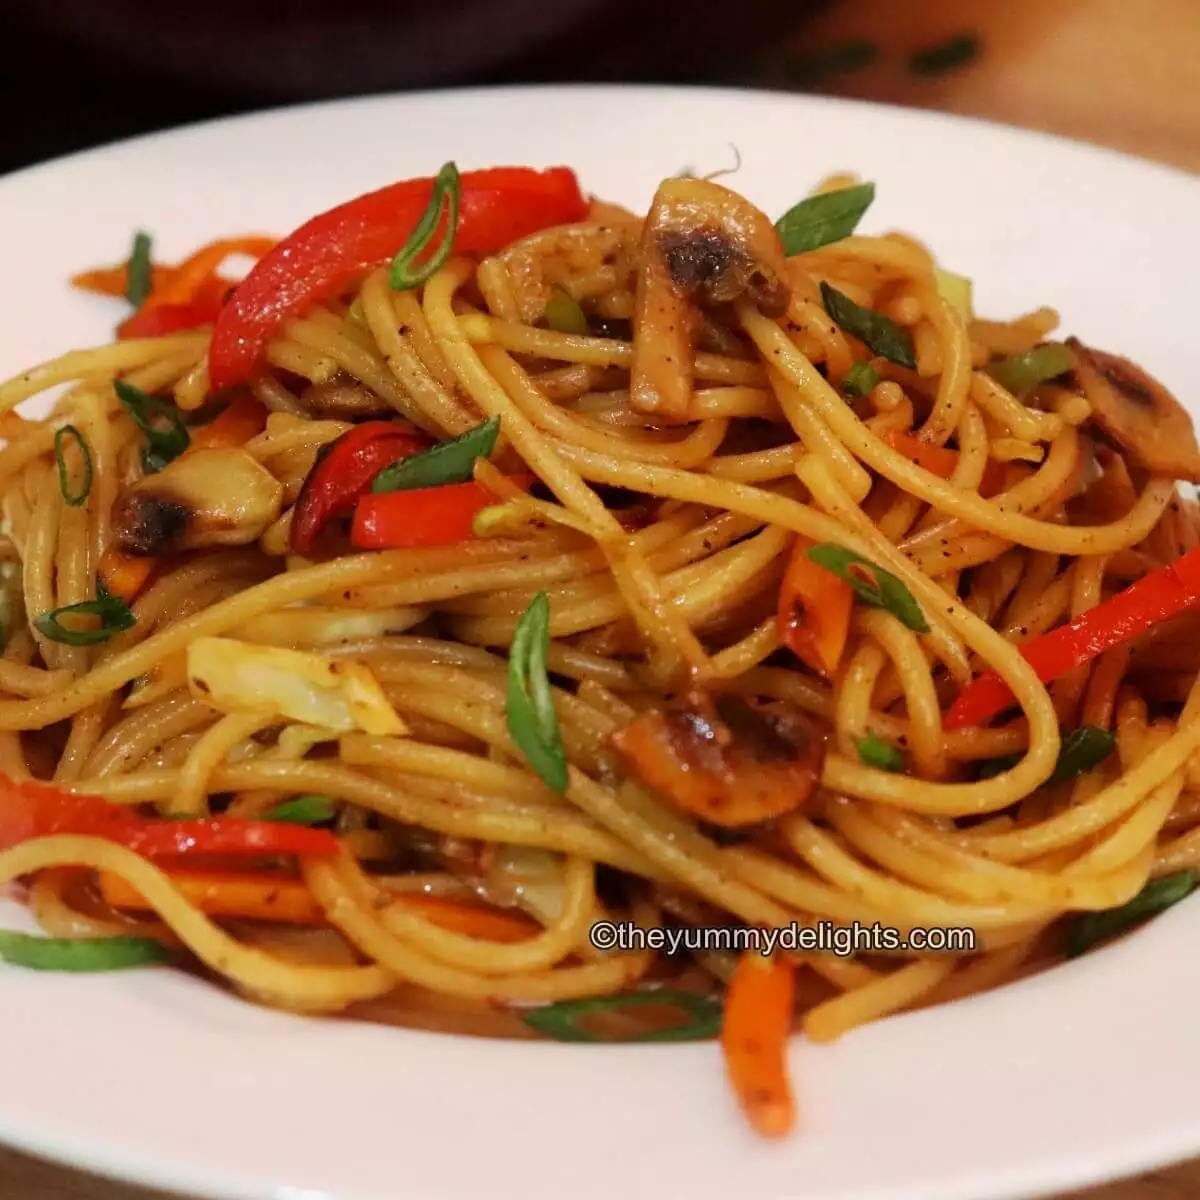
column 754, row 1038
column 225, row 894
column 288, row 901
column 940, row 461
column 814, row 611
column 243, row 419
column 124, row 575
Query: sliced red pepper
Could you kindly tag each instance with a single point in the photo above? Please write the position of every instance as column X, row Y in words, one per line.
column 434, row 516
column 162, row 319
column 29, row 810
column 1154, row 598
column 343, row 472
column 327, row 254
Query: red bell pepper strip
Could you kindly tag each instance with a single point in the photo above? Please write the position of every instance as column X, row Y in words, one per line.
column 333, row 250
column 1156, row 597
column 30, row 810
column 343, row 472
column 433, row 516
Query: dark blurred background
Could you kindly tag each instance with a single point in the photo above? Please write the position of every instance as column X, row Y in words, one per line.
column 81, row 72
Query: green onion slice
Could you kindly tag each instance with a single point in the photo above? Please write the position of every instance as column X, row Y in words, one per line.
column 405, row 274
column 73, row 498
column 80, row 954
column 872, row 584
column 447, row 462
column 115, row 617
column 878, row 333
column 309, row 809
column 1082, row 750
column 164, row 442
column 944, row 56
column 1021, row 373
column 561, row 1021
column 138, row 270
column 564, row 314
column 1157, row 896
column 532, row 721
column 860, row 379
column 818, row 220
column 875, row 752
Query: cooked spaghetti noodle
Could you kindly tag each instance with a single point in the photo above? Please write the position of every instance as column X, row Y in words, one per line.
column 745, row 518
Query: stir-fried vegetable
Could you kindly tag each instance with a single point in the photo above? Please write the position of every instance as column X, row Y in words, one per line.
column 137, row 283
column 164, row 430
column 309, row 809
column 1086, row 929
column 860, row 379
column 940, row 460
column 343, row 474
column 754, row 1038
column 828, row 217
column 1156, row 597
column 405, row 274
column 239, row 421
column 815, row 607
column 875, row 752
column 563, row 1021
column 1083, row 750
column 29, row 809
column 1021, row 373
column 212, row 497
column 113, row 614
column 123, row 575
column 873, row 585
column 332, row 251
column 532, row 721
column 730, row 761
column 432, row 516
column 80, row 954
column 73, row 496
column 452, row 461
column 237, row 676
column 956, row 291
column 564, row 314
column 881, row 335
column 702, row 245
column 283, row 900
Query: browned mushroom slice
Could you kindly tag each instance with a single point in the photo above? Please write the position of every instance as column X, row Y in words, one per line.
column 1138, row 413
column 731, row 762
column 702, row 245
column 344, row 400
column 204, row 498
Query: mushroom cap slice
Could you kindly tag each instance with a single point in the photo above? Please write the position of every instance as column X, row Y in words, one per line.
column 1138, row 413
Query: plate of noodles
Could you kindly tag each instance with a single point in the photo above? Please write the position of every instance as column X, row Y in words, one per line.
column 588, row 641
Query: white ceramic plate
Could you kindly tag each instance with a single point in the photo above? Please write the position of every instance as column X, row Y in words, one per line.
column 1083, row 1073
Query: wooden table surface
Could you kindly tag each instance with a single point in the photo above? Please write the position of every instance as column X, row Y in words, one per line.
column 1118, row 72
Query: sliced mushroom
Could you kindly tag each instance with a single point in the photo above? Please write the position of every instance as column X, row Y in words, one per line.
column 344, row 401
column 702, row 245
column 204, row 498
column 1138, row 413
column 729, row 761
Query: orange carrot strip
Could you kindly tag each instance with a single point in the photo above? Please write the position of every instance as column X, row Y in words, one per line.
column 487, row 924
column 940, row 461
column 114, row 281
column 288, row 901
column 125, row 575
column 260, row 897
column 754, row 1037
column 814, row 611
column 187, row 279
column 241, row 420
